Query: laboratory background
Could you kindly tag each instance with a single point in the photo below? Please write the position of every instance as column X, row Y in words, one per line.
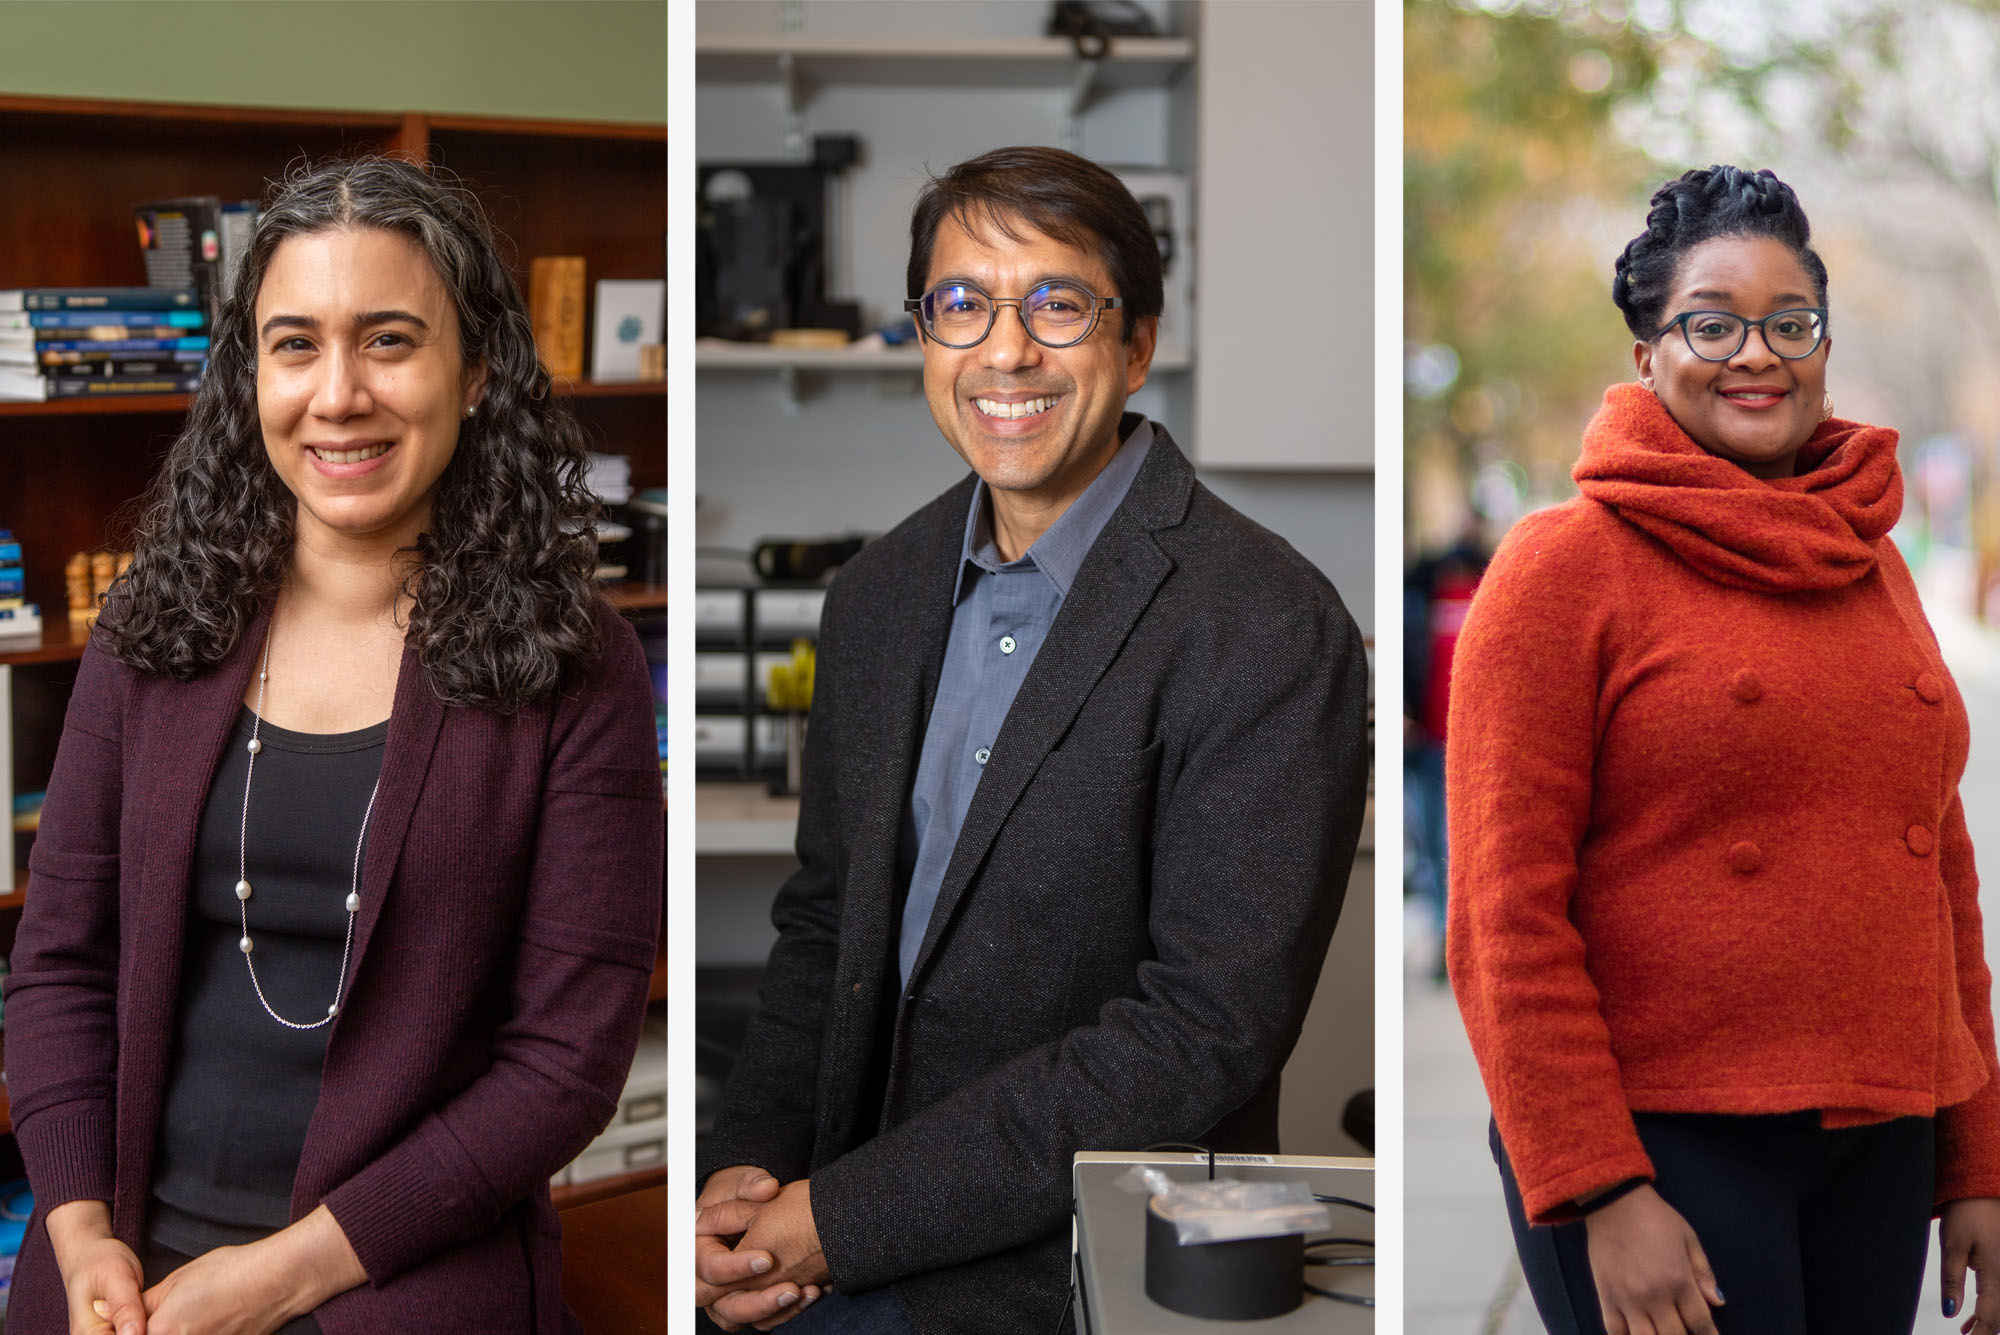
column 1246, row 129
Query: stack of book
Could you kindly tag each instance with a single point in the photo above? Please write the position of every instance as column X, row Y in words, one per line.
column 19, row 619
column 609, row 478
column 90, row 342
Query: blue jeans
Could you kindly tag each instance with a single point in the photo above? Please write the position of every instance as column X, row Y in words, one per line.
column 875, row 1312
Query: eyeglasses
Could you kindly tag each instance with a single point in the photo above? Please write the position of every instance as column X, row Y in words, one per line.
column 1057, row 314
column 1716, row 336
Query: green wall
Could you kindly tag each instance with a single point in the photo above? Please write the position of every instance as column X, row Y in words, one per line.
column 568, row 59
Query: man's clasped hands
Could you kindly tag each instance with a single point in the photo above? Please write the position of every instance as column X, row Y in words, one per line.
column 757, row 1257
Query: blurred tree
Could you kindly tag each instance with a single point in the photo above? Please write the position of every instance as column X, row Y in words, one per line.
column 1518, row 194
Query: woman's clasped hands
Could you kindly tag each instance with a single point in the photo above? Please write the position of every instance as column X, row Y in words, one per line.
column 248, row 1290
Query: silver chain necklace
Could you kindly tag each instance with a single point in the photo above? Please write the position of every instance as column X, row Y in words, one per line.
column 243, row 872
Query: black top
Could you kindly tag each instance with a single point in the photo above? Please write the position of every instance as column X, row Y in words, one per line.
column 242, row 1087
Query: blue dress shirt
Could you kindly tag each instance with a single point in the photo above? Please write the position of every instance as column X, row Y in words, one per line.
column 1002, row 613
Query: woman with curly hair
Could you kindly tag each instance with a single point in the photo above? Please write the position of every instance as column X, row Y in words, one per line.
column 344, row 902
column 1715, row 926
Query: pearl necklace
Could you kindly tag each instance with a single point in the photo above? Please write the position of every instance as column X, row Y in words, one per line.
column 243, row 873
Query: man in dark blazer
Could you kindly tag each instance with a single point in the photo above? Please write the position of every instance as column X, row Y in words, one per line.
column 1083, row 785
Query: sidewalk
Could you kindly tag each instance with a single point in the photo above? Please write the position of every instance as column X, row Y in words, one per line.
column 1460, row 1274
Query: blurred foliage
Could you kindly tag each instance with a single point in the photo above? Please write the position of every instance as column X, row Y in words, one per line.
column 1895, row 83
column 1534, row 130
column 1518, row 195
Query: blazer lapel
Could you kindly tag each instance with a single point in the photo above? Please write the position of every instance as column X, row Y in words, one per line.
column 885, row 691
column 191, row 722
column 415, row 719
column 886, row 710
column 1116, row 582
column 182, row 751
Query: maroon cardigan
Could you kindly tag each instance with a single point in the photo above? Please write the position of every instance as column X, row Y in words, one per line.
column 510, row 907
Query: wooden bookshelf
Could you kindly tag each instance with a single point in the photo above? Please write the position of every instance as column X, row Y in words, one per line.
column 572, row 1195
column 71, row 170
column 62, row 641
column 633, row 596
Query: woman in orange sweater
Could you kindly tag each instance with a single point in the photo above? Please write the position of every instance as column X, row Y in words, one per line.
column 1714, row 921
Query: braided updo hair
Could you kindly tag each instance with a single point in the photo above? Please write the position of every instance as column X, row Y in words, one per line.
column 1700, row 206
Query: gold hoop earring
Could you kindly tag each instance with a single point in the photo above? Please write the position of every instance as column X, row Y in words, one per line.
column 1825, row 405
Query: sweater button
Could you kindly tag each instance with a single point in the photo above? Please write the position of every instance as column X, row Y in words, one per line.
column 1929, row 688
column 1746, row 857
column 1920, row 841
column 1747, row 686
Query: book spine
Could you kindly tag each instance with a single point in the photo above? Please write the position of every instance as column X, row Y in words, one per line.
column 10, row 553
column 111, row 298
column 123, row 345
column 181, row 243
column 555, row 305
column 167, row 364
column 107, row 386
column 95, row 319
column 103, row 333
column 99, row 298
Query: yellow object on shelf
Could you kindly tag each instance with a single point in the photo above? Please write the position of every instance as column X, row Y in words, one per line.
column 791, row 684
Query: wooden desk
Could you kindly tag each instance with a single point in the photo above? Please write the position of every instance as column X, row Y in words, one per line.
column 615, row 1263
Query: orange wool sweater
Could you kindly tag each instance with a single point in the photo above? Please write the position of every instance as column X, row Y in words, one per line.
column 1707, row 853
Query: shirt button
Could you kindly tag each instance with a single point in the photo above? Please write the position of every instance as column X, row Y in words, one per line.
column 983, row 754
column 1007, row 644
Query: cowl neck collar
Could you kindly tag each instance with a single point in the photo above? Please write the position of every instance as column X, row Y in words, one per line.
column 1816, row 530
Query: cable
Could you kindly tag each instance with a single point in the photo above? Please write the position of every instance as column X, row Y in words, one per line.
column 1343, row 1200
column 1315, row 1254
column 1354, row 1298
column 1190, row 1147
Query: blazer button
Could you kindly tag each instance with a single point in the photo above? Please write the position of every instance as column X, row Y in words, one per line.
column 1920, row 840
column 1929, row 689
column 1745, row 857
column 1747, row 686
column 857, row 989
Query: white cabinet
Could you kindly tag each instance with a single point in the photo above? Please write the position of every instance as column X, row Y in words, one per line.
column 1284, row 223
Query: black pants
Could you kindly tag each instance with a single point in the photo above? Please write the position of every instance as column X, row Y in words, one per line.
column 159, row 1262
column 1807, row 1229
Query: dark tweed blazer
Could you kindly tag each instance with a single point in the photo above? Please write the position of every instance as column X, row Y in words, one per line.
column 1131, row 925
column 510, row 903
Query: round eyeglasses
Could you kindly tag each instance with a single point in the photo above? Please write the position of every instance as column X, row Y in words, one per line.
column 1716, row 336
column 1057, row 314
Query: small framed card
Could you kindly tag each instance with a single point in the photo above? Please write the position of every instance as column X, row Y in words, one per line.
column 630, row 314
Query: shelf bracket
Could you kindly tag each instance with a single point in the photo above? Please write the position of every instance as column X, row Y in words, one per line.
column 1082, row 84
column 789, row 400
column 796, row 143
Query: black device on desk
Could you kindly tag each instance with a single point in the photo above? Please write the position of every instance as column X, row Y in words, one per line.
column 1109, row 1265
